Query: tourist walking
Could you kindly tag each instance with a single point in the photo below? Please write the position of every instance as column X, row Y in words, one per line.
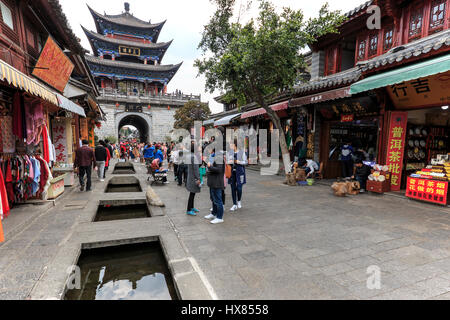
column 84, row 162
column 101, row 157
column 216, row 171
column 238, row 159
column 192, row 182
column 110, row 149
column 108, row 159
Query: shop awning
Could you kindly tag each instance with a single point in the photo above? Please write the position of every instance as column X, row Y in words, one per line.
column 226, row 120
column 68, row 105
column 418, row 70
column 19, row 80
column 322, row 97
column 261, row 111
column 208, row 122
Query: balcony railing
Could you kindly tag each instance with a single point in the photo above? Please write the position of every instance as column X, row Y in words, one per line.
column 118, row 94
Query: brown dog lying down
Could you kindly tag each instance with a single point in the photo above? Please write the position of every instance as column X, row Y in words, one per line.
column 341, row 189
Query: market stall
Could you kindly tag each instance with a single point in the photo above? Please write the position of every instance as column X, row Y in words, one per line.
column 430, row 184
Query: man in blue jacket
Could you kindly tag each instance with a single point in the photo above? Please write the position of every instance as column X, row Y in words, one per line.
column 149, row 153
column 159, row 154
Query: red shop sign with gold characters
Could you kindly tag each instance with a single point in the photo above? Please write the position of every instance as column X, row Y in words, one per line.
column 427, row 190
column 396, row 147
column 53, row 66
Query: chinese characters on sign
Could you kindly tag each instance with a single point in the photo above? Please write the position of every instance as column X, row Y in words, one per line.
column 129, row 51
column 396, row 147
column 60, row 141
column 53, row 67
column 427, row 190
column 347, row 118
column 431, row 91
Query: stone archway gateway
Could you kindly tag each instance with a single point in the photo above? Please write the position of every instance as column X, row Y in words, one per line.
column 141, row 121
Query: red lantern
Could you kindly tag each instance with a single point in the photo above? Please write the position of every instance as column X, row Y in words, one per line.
column 117, row 105
column 149, row 107
column 168, row 107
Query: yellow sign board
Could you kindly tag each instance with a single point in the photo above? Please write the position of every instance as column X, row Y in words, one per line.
column 129, row 51
column 430, row 91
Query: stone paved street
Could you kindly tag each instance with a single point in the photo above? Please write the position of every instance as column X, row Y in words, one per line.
column 304, row 243
column 286, row 243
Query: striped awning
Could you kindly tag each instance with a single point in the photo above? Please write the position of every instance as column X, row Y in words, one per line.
column 68, row 105
column 19, row 80
column 261, row 111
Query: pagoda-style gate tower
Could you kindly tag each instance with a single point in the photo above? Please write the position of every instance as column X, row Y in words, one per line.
column 132, row 81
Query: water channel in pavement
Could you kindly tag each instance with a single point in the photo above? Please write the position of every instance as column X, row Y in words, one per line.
column 122, row 212
column 128, row 272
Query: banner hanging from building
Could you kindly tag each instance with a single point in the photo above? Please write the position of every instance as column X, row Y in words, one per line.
column 53, row 66
column 60, row 140
column 396, row 147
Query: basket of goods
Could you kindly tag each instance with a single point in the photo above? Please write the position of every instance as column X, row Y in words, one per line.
column 380, row 179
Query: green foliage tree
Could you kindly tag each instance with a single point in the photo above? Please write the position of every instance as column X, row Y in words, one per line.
column 258, row 60
column 111, row 139
column 192, row 111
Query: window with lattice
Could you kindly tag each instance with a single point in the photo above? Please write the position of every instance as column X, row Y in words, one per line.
column 373, row 45
column 362, row 49
column 416, row 23
column 388, row 39
column 437, row 13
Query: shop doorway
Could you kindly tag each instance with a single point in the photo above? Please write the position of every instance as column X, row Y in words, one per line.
column 362, row 134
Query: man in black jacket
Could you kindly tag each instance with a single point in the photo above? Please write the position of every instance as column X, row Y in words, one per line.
column 362, row 173
column 101, row 156
column 216, row 184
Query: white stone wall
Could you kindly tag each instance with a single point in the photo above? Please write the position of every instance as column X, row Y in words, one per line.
column 162, row 121
column 109, row 127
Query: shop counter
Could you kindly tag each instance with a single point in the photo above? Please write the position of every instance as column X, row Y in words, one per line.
column 428, row 190
column 56, row 187
column 69, row 179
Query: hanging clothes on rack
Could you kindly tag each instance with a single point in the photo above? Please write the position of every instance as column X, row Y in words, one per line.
column 46, row 144
column 4, row 198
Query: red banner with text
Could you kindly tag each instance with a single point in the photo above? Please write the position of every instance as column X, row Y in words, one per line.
column 398, row 122
column 428, row 190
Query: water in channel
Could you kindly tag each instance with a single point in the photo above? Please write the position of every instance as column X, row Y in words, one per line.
column 129, row 272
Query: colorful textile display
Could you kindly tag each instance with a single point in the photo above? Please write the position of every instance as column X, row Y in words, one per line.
column 22, row 178
column 8, row 139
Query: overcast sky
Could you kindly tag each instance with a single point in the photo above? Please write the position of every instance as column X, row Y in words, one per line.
column 185, row 22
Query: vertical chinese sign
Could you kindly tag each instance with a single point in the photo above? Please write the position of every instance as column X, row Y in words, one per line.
column 84, row 135
column 60, row 141
column 396, row 147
